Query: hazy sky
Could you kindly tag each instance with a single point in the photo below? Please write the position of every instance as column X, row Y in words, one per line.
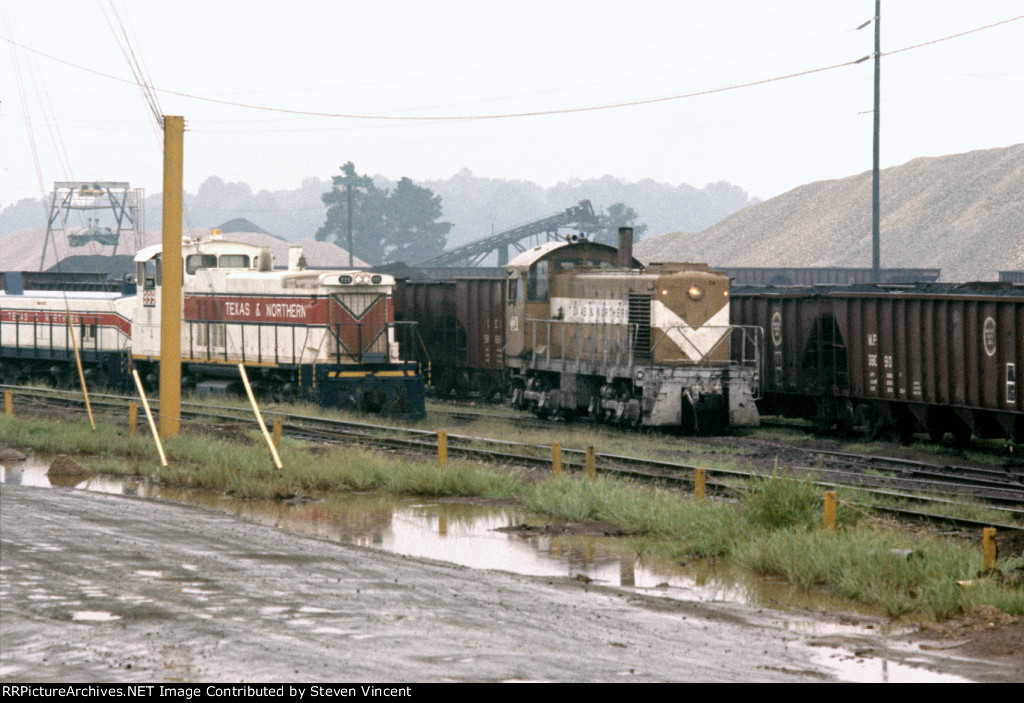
column 360, row 65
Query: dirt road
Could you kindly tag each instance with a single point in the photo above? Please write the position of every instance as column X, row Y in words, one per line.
column 99, row 587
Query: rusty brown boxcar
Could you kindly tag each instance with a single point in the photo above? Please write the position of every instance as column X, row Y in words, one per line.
column 935, row 358
column 462, row 327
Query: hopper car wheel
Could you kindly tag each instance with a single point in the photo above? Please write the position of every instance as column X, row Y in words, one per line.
column 443, row 385
column 936, row 434
column 485, row 385
column 962, row 434
column 824, row 417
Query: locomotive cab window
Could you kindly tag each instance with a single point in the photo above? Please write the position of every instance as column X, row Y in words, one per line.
column 234, row 261
column 194, row 262
column 537, row 284
column 513, row 290
column 149, row 273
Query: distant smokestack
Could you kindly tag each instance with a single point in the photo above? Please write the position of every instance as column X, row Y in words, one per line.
column 625, row 258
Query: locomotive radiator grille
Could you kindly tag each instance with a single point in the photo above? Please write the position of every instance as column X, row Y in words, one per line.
column 640, row 324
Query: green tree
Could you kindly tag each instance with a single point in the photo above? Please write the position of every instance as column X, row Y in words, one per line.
column 355, row 215
column 413, row 230
column 619, row 215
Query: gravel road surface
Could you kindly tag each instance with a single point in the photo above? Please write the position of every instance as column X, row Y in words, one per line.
column 105, row 588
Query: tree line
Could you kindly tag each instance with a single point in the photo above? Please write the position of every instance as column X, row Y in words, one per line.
column 385, row 225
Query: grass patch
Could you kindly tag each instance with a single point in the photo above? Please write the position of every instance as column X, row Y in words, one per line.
column 774, row 527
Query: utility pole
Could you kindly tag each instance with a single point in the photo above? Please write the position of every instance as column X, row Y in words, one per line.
column 170, row 294
column 875, row 221
column 352, row 182
column 348, row 188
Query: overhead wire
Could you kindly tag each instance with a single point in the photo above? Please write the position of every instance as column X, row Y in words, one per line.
column 524, row 114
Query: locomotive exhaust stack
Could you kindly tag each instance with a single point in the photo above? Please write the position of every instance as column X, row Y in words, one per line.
column 625, row 257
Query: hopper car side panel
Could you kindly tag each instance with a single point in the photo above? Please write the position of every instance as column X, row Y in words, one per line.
column 937, row 358
column 461, row 323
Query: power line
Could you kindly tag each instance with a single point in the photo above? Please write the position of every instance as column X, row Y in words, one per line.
column 510, row 115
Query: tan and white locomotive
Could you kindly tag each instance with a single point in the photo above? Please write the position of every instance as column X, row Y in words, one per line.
column 592, row 331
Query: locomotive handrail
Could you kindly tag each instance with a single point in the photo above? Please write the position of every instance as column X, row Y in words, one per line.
column 410, row 336
column 603, row 349
column 596, row 342
column 750, row 335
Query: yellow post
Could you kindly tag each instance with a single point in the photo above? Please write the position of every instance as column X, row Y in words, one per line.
column 556, row 458
column 277, row 432
column 78, row 364
column 8, row 403
column 988, row 542
column 591, row 464
column 830, row 511
column 698, row 484
column 149, row 417
column 133, row 418
column 442, row 448
column 259, row 418
column 170, row 295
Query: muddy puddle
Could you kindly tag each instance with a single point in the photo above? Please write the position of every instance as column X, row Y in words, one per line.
column 479, row 537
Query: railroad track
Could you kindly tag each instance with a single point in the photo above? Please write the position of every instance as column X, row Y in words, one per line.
column 910, row 482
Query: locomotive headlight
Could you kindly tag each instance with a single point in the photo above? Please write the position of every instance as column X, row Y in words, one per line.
column 695, row 292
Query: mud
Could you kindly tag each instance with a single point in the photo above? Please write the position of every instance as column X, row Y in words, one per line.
column 97, row 587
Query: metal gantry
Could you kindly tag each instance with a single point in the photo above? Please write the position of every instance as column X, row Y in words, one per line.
column 118, row 197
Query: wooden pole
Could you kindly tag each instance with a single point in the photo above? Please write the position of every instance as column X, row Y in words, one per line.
column 830, row 511
column 149, row 417
column 170, row 279
column 259, row 418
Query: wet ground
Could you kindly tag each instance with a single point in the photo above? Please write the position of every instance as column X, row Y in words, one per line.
column 115, row 587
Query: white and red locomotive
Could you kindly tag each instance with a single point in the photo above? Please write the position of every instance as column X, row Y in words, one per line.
column 325, row 336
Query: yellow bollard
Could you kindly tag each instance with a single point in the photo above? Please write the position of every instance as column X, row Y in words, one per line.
column 830, row 511
column 277, row 432
column 556, row 459
column 698, row 484
column 591, row 464
column 133, row 418
column 988, row 543
column 442, row 448
column 8, row 403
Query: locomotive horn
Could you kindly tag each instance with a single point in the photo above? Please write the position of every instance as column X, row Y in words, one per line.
column 625, row 257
